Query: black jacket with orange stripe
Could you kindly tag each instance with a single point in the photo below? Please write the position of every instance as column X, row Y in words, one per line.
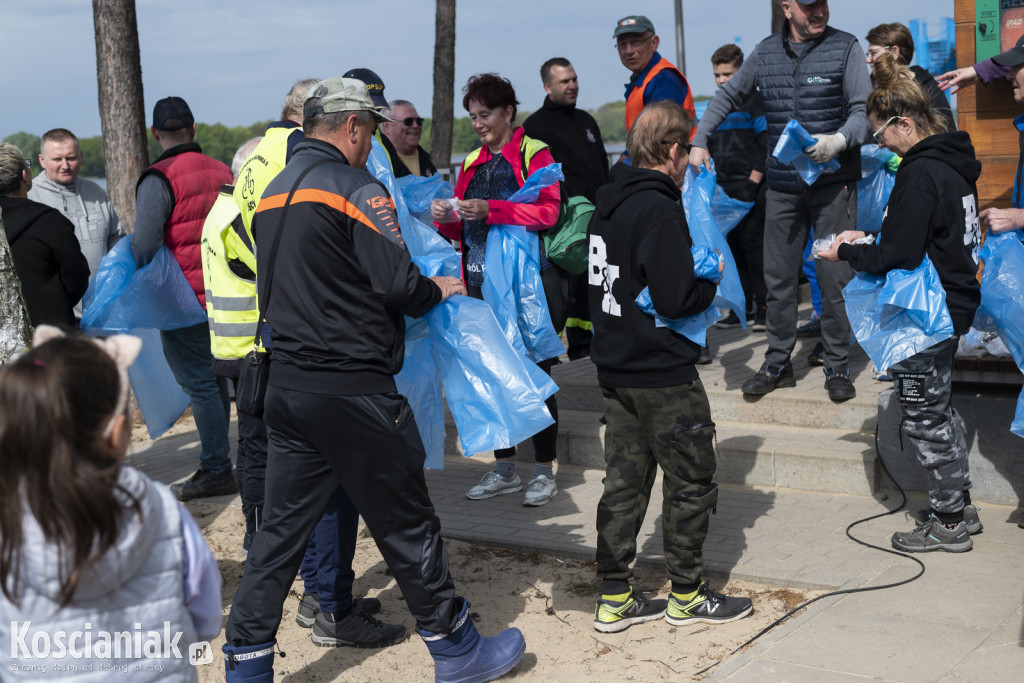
column 342, row 278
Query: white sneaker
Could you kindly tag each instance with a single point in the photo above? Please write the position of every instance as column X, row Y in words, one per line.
column 541, row 489
column 493, row 484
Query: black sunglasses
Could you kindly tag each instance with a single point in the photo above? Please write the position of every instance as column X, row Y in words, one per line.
column 409, row 120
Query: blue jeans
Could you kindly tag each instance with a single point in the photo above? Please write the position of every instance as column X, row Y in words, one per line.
column 326, row 567
column 188, row 354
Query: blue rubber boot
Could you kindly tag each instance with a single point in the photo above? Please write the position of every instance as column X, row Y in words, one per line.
column 249, row 663
column 464, row 656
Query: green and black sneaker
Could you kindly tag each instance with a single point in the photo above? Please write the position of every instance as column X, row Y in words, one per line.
column 706, row 607
column 613, row 616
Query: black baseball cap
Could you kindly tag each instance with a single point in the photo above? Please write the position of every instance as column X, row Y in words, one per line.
column 1012, row 57
column 374, row 85
column 172, row 113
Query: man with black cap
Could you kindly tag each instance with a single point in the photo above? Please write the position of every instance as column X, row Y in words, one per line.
column 333, row 415
column 654, row 77
column 172, row 199
column 812, row 73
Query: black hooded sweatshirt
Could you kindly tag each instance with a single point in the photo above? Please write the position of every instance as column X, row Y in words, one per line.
column 639, row 238
column 933, row 209
column 48, row 259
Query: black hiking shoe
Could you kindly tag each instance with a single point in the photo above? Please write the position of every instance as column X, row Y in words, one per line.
column 838, row 384
column 354, row 629
column 309, row 607
column 707, row 607
column 204, row 484
column 769, row 379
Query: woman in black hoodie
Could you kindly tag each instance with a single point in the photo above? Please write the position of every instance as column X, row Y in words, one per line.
column 933, row 210
column 47, row 256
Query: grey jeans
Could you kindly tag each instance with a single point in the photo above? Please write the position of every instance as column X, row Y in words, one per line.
column 788, row 220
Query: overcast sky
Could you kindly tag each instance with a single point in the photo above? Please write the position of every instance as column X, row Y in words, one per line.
column 233, row 62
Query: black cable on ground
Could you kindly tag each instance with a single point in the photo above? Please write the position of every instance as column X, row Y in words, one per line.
column 801, row 606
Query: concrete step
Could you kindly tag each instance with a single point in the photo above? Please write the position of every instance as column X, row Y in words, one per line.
column 806, row 405
column 805, row 458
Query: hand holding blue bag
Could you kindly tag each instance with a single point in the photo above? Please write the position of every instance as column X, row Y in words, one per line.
column 698, row 190
column 1002, row 301
column 512, row 285
column 694, row 327
column 899, row 315
column 419, row 191
column 790, row 150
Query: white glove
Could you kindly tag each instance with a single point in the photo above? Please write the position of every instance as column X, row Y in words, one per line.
column 826, row 148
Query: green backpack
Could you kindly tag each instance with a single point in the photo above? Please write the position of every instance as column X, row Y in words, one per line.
column 565, row 243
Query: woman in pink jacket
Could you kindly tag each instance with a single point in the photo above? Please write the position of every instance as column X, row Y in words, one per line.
column 489, row 176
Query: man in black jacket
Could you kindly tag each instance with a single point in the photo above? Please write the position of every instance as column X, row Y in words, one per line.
column 575, row 141
column 656, row 409
column 335, row 288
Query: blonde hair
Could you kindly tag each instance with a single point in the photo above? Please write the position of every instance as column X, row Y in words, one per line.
column 897, row 93
column 655, row 130
column 12, row 165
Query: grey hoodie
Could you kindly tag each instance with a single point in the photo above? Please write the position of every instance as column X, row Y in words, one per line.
column 86, row 205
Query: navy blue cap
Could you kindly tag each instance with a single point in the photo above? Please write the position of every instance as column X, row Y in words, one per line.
column 172, row 113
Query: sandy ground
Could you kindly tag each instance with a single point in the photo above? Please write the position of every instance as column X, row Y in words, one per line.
column 549, row 599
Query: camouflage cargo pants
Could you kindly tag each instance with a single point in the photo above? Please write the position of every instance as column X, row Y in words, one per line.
column 936, row 432
column 669, row 427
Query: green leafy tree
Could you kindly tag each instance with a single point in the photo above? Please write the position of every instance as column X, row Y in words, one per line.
column 28, row 144
column 94, row 157
column 611, row 119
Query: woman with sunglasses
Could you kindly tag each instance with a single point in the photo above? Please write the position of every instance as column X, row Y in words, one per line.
column 933, row 211
column 489, row 176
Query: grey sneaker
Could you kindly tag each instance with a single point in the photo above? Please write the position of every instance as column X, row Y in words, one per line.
column 707, row 607
column 612, row 617
column 493, row 484
column 355, row 629
column 933, row 535
column 540, row 490
column 971, row 518
column 309, row 607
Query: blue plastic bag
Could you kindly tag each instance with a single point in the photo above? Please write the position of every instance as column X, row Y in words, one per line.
column 874, row 187
column 496, row 396
column 121, row 298
column 512, row 285
column 1002, row 301
column 698, row 190
column 160, row 397
column 728, row 212
column 419, row 192
column 790, row 150
column 694, row 327
column 899, row 315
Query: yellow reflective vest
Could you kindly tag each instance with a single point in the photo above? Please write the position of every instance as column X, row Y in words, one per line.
column 230, row 296
column 262, row 166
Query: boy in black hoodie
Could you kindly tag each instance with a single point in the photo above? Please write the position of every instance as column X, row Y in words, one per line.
column 933, row 211
column 656, row 410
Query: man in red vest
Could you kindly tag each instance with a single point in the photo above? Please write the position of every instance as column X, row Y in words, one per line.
column 654, row 77
column 172, row 199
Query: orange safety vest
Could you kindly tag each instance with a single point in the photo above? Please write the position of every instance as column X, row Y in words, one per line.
column 635, row 102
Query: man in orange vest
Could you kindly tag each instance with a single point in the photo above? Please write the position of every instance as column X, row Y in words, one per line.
column 654, row 77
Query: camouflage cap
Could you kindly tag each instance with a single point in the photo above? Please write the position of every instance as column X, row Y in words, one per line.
column 340, row 94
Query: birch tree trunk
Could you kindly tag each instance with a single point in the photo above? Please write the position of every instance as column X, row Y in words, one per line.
column 15, row 328
column 122, row 115
column 444, row 84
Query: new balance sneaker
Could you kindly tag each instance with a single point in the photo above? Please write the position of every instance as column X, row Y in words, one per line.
column 933, row 535
column 493, row 484
column 971, row 518
column 769, row 379
column 540, row 490
column 204, row 484
column 613, row 616
column 309, row 607
column 706, row 607
column 354, row 629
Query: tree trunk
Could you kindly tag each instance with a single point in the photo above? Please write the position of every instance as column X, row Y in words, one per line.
column 444, row 84
column 122, row 114
column 15, row 328
column 778, row 18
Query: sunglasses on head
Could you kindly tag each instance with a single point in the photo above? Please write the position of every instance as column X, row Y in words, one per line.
column 409, row 120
